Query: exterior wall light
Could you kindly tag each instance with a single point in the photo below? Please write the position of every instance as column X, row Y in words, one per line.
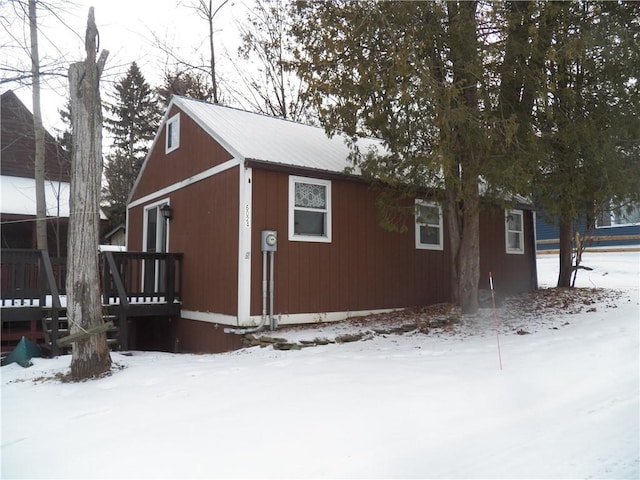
column 166, row 211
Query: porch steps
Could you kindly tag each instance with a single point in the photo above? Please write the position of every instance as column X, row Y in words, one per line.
column 113, row 336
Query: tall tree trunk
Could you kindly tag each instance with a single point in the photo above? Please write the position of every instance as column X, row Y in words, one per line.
column 38, row 130
column 463, row 177
column 566, row 251
column 469, row 257
column 212, row 53
column 210, row 14
column 84, row 306
column 454, row 227
column 463, row 223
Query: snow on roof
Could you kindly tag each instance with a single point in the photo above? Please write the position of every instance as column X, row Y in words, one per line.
column 18, row 197
column 253, row 136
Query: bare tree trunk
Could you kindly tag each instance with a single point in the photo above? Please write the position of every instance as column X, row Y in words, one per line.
column 454, row 227
column 38, row 130
column 469, row 257
column 463, row 196
column 464, row 234
column 212, row 59
column 206, row 9
column 84, row 306
column 566, row 252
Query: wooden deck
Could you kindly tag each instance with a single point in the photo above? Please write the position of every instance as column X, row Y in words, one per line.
column 133, row 284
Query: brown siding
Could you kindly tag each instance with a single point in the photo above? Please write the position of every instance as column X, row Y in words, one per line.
column 205, row 228
column 512, row 273
column 199, row 337
column 364, row 267
column 179, row 335
column 18, row 143
column 197, row 152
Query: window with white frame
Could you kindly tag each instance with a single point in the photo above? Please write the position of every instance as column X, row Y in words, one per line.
column 172, row 133
column 619, row 216
column 429, row 232
column 514, row 231
column 309, row 209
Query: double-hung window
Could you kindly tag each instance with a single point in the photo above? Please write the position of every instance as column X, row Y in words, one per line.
column 309, row 209
column 429, row 232
column 514, row 231
column 172, row 134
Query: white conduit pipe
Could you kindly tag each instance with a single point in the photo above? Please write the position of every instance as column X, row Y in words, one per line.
column 264, row 287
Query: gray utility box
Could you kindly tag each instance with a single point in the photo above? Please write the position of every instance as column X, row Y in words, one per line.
column 269, row 240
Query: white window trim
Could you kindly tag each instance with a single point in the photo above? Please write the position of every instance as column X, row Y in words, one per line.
column 308, row 238
column 145, row 225
column 175, row 122
column 428, row 246
column 516, row 251
column 145, row 221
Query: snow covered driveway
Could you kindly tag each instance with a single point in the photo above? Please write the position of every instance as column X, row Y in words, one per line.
column 565, row 404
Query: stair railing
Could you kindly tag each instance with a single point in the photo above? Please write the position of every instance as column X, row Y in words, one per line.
column 50, row 282
column 111, row 271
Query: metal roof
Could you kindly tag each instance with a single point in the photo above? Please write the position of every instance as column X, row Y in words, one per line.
column 265, row 139
column 253, row 136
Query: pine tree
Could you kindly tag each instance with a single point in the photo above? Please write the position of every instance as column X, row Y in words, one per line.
column 426, row 78
column 133, row 122
column 587, row 118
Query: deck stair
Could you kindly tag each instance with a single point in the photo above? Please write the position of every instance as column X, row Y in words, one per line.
column 52, row 338
column 133, row 285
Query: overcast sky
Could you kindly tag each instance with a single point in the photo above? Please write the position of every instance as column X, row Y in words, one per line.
column 129, row 29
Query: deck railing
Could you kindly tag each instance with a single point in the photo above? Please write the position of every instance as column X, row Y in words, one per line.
column 132, row 284
column 31, row 278
column 28, row 277
column 141, row 277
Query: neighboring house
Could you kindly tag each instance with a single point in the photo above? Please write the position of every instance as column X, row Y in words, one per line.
column 116, row 236
column 615, row 229
column 17, row 184
column 216, row 178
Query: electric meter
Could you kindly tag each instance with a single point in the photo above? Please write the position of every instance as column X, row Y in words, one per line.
column 269, row 241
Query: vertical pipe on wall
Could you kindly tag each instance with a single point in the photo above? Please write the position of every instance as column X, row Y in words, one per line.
column 264, row 286
column 273, row 322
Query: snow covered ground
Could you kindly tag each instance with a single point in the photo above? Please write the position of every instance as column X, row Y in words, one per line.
column 565, row 404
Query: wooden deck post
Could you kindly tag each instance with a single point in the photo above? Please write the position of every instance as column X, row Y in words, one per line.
column 56, row 306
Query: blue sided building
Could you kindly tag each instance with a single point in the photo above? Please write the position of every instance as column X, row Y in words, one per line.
column 616, row 229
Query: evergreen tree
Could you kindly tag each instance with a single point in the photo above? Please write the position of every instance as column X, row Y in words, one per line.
column 483, row 94
column 64, row 137
column 133, row 121
column 426, row 78
column 587, row 118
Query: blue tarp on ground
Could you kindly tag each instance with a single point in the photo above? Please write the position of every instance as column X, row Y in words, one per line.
column 23, row 353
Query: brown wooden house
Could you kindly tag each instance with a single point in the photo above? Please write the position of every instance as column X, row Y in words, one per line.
column 17, row 184
column 216, row 178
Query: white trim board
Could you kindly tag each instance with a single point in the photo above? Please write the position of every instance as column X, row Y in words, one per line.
column 185, row 183
column 283, row 319
column 209, row 317
column 321, row 317
column 245, row 231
